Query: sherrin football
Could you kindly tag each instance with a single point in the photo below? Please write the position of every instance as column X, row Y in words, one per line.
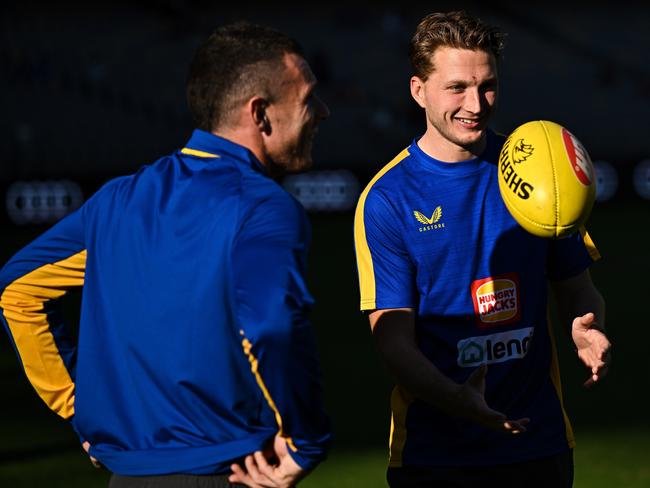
column 546, row 179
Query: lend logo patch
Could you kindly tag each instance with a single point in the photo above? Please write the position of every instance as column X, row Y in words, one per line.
column 495, row 348
column 496, row 300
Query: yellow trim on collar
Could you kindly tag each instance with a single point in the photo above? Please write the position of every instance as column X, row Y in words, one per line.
column 200, row 154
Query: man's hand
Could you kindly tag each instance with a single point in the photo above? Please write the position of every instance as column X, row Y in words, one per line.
column 592, row 346
column 258, row 473
column 86, row 446
column 471, row 398
column 394, row 333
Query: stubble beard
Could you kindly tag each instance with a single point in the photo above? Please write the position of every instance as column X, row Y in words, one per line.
column 300, row 157
column 446, row 132
column 295, row 160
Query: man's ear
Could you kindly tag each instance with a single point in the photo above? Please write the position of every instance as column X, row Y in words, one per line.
column 417, row 90
column 257, row 107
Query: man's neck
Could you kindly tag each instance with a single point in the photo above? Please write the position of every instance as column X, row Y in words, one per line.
column 247, row 138
column 435, row 145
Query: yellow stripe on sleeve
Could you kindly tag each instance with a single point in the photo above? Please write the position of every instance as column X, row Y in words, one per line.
column 589, row 244
column 246, row 344
column 22, row 304
column 200, row 154
column 364, row 258
column 557, row 383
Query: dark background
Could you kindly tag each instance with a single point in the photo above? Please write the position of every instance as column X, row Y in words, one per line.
column 94, row 90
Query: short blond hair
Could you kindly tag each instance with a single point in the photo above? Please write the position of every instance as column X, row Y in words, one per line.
column 455, row 29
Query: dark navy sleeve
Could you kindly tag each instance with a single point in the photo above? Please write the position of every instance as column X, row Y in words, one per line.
column 386, row 272
column 268, row 263
column 570, row 256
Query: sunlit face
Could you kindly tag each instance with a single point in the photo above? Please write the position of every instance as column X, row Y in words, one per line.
column 294, row 117
column 459, row 97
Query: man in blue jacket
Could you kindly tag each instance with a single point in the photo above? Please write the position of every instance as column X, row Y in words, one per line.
column 195, row 359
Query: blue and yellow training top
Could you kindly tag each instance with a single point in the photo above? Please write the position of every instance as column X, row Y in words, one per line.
column 194, row 346
column 436, row 237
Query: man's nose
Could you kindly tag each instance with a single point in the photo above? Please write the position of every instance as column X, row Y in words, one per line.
column 472, row 100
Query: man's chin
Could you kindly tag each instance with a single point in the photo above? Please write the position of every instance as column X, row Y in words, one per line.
column 305, row 165
column 472, row 139
column 291, row 167
column 299, row 164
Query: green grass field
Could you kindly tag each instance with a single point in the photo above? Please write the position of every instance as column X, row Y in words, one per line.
column 603, row 460
column 610, row 421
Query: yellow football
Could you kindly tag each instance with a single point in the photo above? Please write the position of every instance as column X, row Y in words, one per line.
column 546, row 179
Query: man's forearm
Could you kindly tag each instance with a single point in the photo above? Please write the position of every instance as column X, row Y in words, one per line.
column 576, row 297
column 411, row 368
column 394, row 333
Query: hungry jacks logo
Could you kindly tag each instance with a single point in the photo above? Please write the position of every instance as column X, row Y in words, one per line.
column 496, row 300
column 430, row 223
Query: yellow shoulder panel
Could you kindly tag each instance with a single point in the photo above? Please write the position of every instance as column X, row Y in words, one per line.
column 364, row 259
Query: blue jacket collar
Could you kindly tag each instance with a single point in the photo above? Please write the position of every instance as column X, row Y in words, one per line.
column 212, row 144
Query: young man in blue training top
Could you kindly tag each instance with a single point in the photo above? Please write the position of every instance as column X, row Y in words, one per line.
column 195, row 361
column 454, row 287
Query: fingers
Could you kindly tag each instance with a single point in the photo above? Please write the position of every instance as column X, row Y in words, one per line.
column 253, row 470
column 480, row 412
column 588, row 318
column 258, row 473
column 250, row 476
column 515, row 426
column 262, row 464
column 584, row 322
column 493, row 417
column 498, row 421
column 240, row 476
column 93, row 460
column 596, row 376
column 592, row 358
column 280, row 446
column 508, row 426
column 596, row 356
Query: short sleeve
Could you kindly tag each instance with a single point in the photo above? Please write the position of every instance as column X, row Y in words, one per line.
column 570, row 256
column 386, row 271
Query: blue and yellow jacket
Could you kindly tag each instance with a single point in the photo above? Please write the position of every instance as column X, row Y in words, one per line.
column 194, row 346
